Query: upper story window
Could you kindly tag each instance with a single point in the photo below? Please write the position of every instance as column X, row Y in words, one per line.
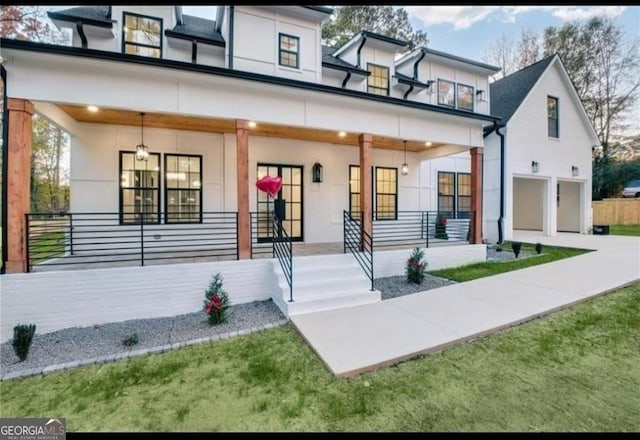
column 446, row 93
column 552, row 117
column 378, row 81
column 289, row 51
column 465, row 97
column 142, row 35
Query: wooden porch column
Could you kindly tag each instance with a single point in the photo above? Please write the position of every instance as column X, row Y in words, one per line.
column 242, row 175
column 18, row 181
column 476, row 195
column 365, row 141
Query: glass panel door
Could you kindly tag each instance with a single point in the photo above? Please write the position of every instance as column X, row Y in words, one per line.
column 290, row 194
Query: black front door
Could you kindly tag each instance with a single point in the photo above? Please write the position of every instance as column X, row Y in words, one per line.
column 290, row 196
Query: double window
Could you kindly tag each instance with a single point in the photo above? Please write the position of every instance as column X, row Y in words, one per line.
column 385, row 192
column 455, row 95
column 378, row 81
column 454, row 194
column 140, row 188
column 142, row 35
column 552, row 117
column 289, row 51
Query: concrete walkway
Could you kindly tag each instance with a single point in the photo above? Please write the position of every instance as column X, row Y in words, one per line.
column 362, row 338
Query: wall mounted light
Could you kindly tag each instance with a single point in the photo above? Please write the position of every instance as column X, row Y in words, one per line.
column 574, row 170
column 405, row 167
column 316, row 173
column 142, row 151
column 481, row 96
column 535, row 166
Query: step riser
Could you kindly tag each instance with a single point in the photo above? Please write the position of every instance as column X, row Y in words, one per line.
column 326, row 289
column 335, row 303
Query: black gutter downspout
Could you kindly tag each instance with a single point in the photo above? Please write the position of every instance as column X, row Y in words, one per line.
column 194, row 51
column 364, row 40
column 231, row 20
column 415, row 66
column 5, row 164
column 408, row 91
column 346, row 79
column 502, row 165
column 83, row 37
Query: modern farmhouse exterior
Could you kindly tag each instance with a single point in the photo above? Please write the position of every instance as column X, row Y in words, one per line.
column 226, row 101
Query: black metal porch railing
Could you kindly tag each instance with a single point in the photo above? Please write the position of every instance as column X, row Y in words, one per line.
column 358, row 242
column 95, row 239
column 420, row 228
column 261, row 234
column 283, row 251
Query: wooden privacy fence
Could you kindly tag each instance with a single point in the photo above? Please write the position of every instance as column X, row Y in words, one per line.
column 616, row 212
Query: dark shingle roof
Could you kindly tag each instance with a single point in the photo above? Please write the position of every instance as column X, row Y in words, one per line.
column 508, row 93
column 328, row 60
column 196, row 28
column 92, row 15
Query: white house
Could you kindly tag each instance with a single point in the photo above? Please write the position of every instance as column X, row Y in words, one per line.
column 229, row 100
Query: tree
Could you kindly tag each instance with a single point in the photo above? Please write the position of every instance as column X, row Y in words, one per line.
column 528, row 48
column 502, row 53
column 391, row 21
column 606, row 72
column 29, row 23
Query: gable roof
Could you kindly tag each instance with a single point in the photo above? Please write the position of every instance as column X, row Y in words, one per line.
column 509, row 92
column 331, row 62
column 91, row 15
column 196, row 28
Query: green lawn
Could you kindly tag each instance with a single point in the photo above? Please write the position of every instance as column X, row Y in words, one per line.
column 46, row 245
column 480, row 270
column 575, row 370
column 625, row 230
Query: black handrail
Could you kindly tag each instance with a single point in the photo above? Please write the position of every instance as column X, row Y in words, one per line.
column 359, row 243
column 97, row 239
column 283, row 251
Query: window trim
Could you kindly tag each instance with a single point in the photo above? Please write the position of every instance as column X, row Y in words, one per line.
column 280, row 50
column 167, row 189
column 455, row 95
column 376, row 87
column 473, row 89
column 124, row 42
column 120, row 189
column 455, row 211
column 557, row 118
column 350, row 192
column 375, row 194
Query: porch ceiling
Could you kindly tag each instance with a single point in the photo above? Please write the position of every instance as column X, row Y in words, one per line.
column 216, row 125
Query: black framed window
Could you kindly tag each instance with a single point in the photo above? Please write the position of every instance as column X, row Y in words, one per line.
column 289, row 49
column 139, row 188
column 464, row 95
column 446, row 93
column 378, row 81
column 552, row 117
column 386, row 193
column 454, row 194
column 142, row 35
column 354, row 191
column 183, row 188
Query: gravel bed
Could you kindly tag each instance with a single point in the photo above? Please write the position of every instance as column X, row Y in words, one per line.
column 82, row 343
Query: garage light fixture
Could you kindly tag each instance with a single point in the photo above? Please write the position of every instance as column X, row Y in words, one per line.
column 574, row 170
column 535, row 166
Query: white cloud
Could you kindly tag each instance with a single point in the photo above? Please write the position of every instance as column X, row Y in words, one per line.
column 462, row 17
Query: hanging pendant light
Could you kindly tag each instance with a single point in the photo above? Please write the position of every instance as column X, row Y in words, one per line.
column 142, row 151
column 405, row 167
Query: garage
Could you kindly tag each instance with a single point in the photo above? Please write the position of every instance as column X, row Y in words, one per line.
column 529, row 203
column 569, row 206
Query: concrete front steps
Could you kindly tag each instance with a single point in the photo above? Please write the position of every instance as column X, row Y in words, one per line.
column 323, row 282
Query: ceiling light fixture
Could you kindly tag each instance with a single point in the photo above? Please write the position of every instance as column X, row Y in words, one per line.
column 405, row 167
column 142, row 151
column 92, row 108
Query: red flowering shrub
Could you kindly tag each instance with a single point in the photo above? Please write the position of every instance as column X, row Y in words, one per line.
column 415, row 267
column 216, row 301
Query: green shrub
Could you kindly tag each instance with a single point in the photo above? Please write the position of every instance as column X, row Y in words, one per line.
column 539, row 248
column 22, row 337
column 131, row 340
column 416, row 267
column 216, row 301
column 516, row 246
column 441, row 228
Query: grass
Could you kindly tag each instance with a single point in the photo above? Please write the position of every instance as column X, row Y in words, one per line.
column 46, row 245
column 480, row 270
column 575, row 370
column 633, row 230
